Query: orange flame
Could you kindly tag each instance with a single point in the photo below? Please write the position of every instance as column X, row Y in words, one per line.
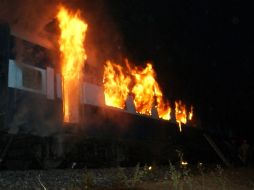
column 143, row 89
column 116, row 85
column 73, row 55
column 163, row 107
column 180, row 114
column 191, row 114
column 146, row 92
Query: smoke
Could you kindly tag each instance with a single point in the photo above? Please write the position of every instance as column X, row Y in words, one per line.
column 103, row 41
column 28, row 14
column 35, row 21
column 29, row 19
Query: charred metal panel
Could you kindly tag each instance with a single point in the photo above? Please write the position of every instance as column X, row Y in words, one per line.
column 154, row 112
column 130, row 107
column 50, row 83
column 33, row 113
column 58, row 86
column 159, row 136
column 92, row 94
column 4, row 58
column 4, row 48
column 107, row 122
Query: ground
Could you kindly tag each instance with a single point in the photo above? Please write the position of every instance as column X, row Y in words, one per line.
column 138, row 178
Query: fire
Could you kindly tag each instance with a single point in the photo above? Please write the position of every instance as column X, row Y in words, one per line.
column 72, row 36
column 180, row 114
column 163, row 107
column 147, row 92
column 119, row 82
column 138, row 81
column 191, row 114
column 143, row 90
column 184, row 163
column 116, row 85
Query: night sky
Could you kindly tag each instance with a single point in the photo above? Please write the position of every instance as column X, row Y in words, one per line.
column 202, row 53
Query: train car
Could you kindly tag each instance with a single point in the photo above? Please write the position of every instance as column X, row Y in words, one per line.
column 34, row 135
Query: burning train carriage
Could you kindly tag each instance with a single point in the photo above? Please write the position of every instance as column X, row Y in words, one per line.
column 32, row 111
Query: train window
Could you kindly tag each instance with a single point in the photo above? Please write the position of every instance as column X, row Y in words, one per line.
column 32, row 78
column 26, row 77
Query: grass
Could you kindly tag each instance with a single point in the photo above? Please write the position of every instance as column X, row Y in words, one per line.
column 173, row 177
column 119, row 180
column 220, row 178
column 87, row 182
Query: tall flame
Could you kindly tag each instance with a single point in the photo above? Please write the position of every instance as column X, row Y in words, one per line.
column 73, row 55
column 116, row 85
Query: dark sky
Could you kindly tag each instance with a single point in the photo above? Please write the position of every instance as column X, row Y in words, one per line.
column 202, row 52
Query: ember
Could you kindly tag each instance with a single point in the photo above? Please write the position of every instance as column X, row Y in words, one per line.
column 73, row 55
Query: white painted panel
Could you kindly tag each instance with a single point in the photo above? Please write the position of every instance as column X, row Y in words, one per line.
column 92, row 94
column 50, row 83
column 58, row 86
column 12, row 74
column 19, row 76
column 130, row 107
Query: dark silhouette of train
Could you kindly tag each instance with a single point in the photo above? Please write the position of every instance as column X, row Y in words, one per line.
column 33, row 134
